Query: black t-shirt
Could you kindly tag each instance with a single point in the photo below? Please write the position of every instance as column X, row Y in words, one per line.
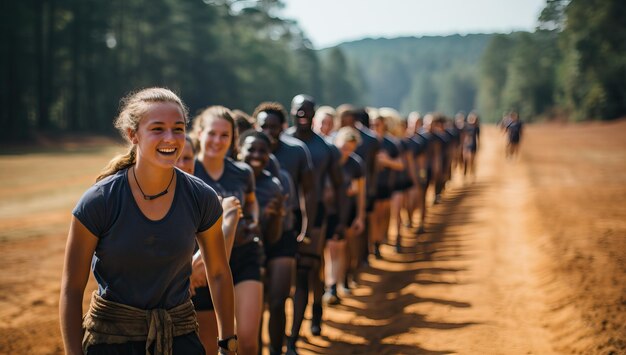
column 471, row 134
column 367, row 150
column 353, row 168
column 295, row 158
column 321, row 156
column 419, row 144
column 268, row 187
column 291, row 202
column 402, row 177
column 273, row 166
column 514, row 129
column 141, row 262
column 236, row 180
column 386, row 178
column 454, row 133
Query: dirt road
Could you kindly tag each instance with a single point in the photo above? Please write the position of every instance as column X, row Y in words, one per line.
column 528, row 259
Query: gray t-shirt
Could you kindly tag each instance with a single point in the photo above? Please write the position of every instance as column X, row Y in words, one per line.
column 140, row 262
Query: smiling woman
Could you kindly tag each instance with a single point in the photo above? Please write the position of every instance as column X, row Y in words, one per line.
column 140, row 234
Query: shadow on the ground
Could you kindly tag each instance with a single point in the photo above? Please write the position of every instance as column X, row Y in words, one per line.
column 387, row 311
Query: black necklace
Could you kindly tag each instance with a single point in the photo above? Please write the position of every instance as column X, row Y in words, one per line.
column 152, row 197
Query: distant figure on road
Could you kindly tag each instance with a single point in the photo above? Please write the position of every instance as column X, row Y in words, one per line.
column 513, row 131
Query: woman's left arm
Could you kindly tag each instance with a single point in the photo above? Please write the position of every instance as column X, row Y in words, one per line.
column 211, row 243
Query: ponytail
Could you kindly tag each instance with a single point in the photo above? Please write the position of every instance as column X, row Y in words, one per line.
column 120, row 162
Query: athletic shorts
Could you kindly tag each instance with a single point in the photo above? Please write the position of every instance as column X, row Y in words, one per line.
column 202, row 300
column 245, row 264
column 321, row 215
column 286, row 246
column 246, row 261
column 369, row 203
column 351, row 215
column 331, row 224
column 383, row 192
column 404, row 185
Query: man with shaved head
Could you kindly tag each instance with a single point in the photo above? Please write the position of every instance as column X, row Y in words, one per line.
column 325, row 160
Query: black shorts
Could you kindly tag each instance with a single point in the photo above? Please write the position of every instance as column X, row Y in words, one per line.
column 351, row 215
column 383, row 192
column 246, row 261
column 202, row 300
column 286, row 246
column 321, row 215
column 331, row 224
column 184, row 344
column 404, row 185
column 369, row 203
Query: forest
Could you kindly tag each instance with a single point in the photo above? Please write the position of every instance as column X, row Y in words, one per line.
column 66, row 63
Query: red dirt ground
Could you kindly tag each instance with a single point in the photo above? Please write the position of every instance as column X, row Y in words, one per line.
column 529, row 259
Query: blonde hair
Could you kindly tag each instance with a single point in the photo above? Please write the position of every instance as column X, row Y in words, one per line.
column 133, row 107
column 348, row 134
column 212, row 113
column 392, row 119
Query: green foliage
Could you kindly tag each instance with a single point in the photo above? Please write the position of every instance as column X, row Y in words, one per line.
column 575, row 64
column 419, row 74
column 67, row 63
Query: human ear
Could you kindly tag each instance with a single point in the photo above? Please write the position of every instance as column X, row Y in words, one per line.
column 132, row 136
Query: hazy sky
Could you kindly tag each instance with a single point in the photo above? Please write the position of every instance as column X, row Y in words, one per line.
column 328, row 22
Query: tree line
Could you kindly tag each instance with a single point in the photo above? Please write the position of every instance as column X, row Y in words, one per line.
column 66, row 63
column 573, row 66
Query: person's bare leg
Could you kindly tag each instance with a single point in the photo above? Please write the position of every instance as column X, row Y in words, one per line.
column 280, row 272
column 207, row 323
column 248, row 309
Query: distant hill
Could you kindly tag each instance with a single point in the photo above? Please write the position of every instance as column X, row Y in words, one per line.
column 418, row 73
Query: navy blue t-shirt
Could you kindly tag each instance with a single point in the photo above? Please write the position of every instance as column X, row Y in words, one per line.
column 471, row 134
column 295, row 158
column 236, row 180
column 352, row 169
column 267, row 188
column 140, row 262
column 514, row 130
column 403, row 178
column 321, row 156
column 387, row 177
column 367, row 150
column 291, row 202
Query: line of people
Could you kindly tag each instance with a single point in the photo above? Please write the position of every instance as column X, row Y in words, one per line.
column 255, row 213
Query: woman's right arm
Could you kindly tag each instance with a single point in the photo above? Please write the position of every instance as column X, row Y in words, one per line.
column 81, row 244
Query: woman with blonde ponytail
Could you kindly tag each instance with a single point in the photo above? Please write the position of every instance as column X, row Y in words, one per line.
column 136, row 227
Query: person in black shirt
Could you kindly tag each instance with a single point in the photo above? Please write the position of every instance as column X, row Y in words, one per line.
column 199, row 290
column 471, row 135
column 255, row 148
column 216, row 130
column 513, row 131
column 458, row 126
column 338, row 258
column 438, row 128
column 294, row 157
column 367, row 151
column 389, row 163
column 136, row 227
column 309, row 254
